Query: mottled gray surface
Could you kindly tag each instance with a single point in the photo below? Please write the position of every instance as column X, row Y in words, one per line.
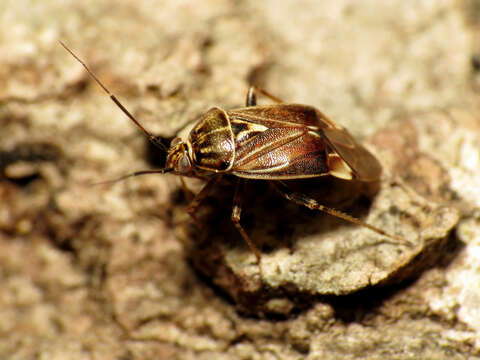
column 101, row 272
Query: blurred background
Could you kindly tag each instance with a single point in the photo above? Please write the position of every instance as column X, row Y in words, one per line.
column 97, row 272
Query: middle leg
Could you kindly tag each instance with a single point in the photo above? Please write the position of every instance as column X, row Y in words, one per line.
column 236, row 214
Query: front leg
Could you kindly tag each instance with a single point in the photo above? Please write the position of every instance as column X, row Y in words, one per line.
column 197, row 200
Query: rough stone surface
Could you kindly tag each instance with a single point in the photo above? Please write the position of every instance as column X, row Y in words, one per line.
column 111, row 272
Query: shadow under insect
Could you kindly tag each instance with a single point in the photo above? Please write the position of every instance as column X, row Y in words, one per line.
column 271, row 221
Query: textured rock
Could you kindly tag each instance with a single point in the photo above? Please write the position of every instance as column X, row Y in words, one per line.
column 102, row 271
column 307, row 253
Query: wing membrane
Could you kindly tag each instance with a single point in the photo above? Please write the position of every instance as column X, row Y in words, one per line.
column 364, row 165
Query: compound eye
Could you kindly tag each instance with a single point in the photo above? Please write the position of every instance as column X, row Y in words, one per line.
column 184, row 164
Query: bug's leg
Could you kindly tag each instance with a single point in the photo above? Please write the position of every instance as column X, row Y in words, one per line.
column 236, row 214
column 186, row 191
column 197, row 200
column 252, row 96
column 313, row 204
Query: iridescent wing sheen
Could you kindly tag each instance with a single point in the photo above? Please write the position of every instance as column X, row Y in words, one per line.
column 291, row 141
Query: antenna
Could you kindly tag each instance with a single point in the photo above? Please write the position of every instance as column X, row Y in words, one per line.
column 153, row 139
column 137, row 173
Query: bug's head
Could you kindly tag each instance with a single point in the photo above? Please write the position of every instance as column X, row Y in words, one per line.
column 178, row 158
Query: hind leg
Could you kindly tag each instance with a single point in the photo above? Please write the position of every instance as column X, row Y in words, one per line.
column 313, row 204
column 252, row 96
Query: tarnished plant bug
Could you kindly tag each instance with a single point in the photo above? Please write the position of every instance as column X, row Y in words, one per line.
column 278, row 143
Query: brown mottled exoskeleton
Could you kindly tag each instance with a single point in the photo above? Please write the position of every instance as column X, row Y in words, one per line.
column 278, row 143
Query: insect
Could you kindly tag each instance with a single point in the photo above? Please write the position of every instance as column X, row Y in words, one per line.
column 276, row 143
